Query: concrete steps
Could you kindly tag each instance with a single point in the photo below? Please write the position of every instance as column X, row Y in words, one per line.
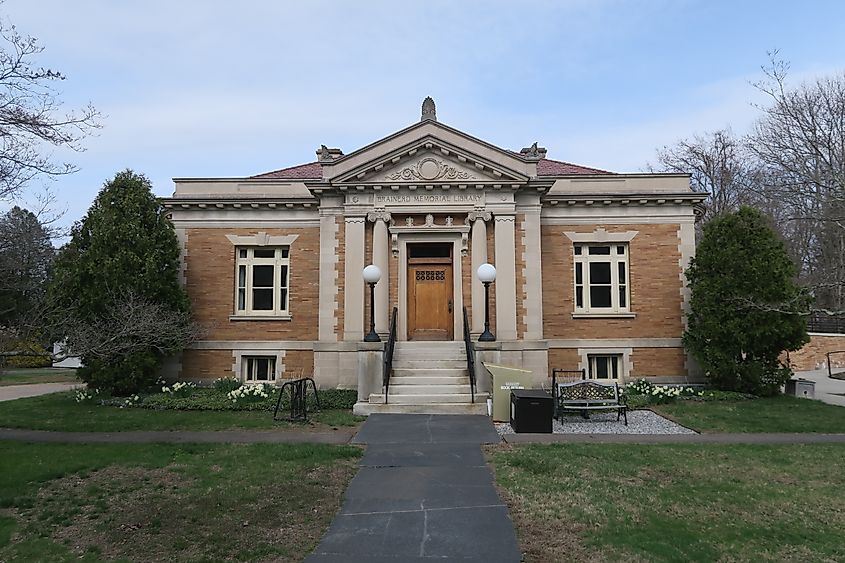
column 427, row 378
column 365, row 409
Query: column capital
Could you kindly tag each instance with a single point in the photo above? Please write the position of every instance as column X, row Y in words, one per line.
column 379, row 215
column 478, row 215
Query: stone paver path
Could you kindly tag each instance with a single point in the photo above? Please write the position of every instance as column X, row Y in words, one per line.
column 12, row 392
column 423, row 493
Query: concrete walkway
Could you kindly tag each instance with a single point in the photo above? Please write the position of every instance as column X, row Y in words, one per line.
column 12, row 392
column 828, row 390
column 423, row 493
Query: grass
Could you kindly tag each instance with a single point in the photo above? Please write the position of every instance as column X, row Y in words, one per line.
column 93, row 502
column 772, row 414
column 59, row 411
column 22, row 376
column 675, row 502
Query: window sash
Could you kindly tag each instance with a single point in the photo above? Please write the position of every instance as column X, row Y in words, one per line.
column 258, row 369
column 254, row 296
column 606, row 367
column 593, row 264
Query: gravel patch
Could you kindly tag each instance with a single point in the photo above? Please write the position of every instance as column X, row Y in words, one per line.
column 639, row 422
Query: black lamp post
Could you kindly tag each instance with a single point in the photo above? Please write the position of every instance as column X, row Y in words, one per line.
column 372, row 274
column 487, row 275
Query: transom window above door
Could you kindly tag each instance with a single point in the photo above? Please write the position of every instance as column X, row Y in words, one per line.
column 601, row 278
column 261, row 281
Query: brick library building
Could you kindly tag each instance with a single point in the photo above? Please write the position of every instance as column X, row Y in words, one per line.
column 402, row 265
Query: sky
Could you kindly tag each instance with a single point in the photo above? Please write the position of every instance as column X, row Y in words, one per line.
column 192, row 88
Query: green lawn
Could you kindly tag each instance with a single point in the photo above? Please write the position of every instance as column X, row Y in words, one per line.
column 21, row 376
column 773, row 414
column 675, row 502
column 160, row 502
column 59, row 411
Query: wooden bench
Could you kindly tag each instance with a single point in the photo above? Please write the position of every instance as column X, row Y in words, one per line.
column 586, row 396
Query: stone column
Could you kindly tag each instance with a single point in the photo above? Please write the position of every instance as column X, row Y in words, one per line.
column 353, row 295
column 505, row 278
column 479, row 256
column 381, row 258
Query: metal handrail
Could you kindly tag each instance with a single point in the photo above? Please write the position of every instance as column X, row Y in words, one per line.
column 387, row 363
column 470, row 350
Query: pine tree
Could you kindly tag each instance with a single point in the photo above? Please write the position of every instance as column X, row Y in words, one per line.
column 746, row 308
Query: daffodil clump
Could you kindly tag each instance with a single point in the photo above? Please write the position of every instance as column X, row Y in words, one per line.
column 130, row 401
column 180, row 389
column 660, row 393
column 249, row 393
column 86, row 395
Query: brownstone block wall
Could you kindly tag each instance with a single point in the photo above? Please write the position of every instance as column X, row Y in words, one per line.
column 206, row 365
column 298, row 363
column 210, row 282
column 563, row 358
column 657, row 362
column 655, row 285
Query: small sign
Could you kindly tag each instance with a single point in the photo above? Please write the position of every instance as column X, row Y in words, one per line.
column 512, row 385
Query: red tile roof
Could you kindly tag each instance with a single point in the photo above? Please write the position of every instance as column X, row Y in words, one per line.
column 549, row 167
column 312, row 171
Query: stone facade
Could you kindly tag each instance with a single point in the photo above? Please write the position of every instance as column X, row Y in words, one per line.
column 430, row 184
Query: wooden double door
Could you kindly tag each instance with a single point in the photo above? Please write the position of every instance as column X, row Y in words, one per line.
column 430, row 292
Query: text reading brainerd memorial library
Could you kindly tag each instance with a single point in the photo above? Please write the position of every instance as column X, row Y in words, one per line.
column 586, row 269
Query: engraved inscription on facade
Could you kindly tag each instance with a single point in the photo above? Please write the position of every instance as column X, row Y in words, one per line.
column 399, row 199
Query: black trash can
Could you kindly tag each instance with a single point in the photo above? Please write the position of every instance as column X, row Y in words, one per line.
column 531, row 411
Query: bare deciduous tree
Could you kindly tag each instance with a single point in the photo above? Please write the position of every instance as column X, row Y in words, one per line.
column 129, row 323
column 799, row 145
column 717, row 164
column 32, row 117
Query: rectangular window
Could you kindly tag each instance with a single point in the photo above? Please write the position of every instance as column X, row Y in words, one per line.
column 601, row 280
column 258, row 369
column 261, row 285
column 605, row 366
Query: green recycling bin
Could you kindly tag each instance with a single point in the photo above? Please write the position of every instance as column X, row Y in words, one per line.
column 504, row 379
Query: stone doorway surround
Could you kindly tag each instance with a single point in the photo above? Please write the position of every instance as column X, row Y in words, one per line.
column 422, row 234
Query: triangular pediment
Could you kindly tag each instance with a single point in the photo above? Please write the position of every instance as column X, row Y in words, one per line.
column 429, row 153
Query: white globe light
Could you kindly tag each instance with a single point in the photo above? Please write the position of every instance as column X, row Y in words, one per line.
column 487, row 273
column 372, row 274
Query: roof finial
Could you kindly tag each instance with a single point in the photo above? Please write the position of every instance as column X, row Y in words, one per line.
column 429, row 112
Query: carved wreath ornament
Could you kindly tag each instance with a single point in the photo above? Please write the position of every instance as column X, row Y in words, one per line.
column 429, row 169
